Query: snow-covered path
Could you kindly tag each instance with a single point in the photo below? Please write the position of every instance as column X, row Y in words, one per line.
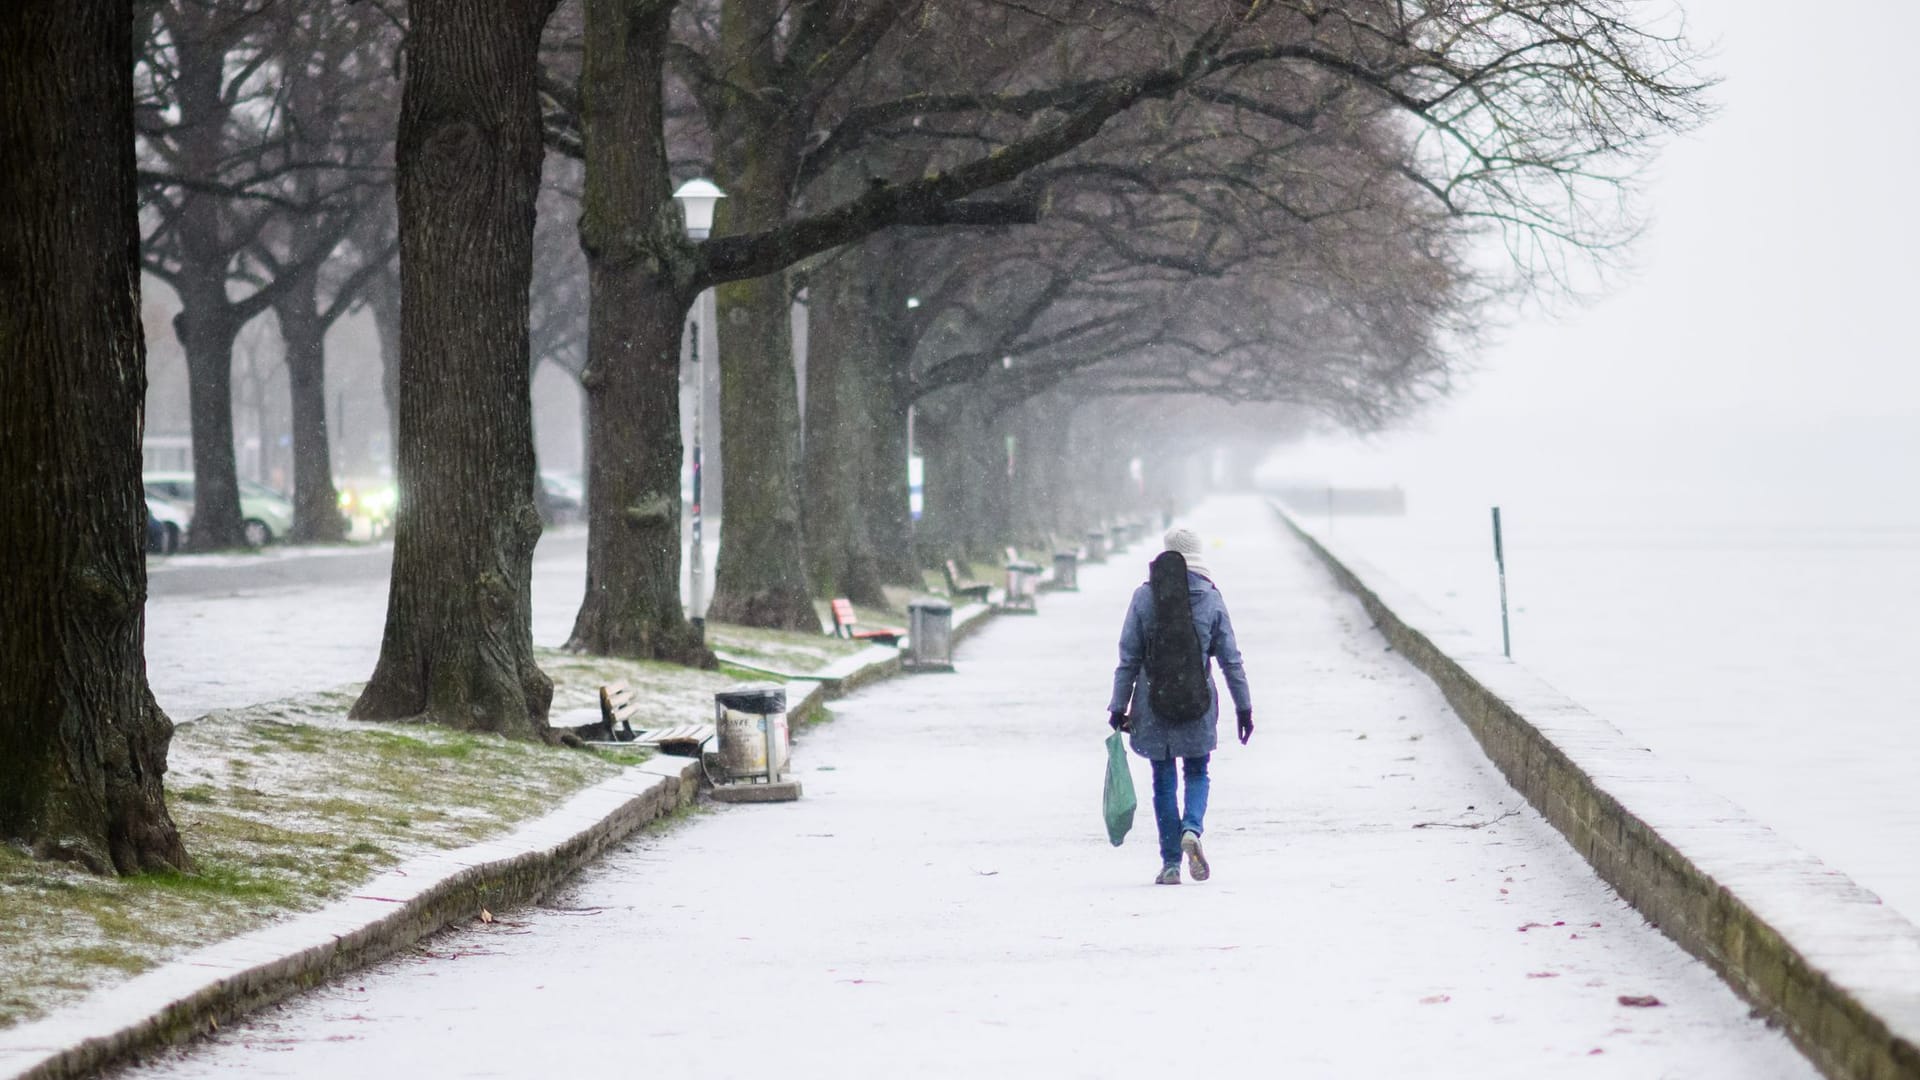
column 943, row 901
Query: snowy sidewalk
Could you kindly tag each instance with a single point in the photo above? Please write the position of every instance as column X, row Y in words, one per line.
column 943, row 902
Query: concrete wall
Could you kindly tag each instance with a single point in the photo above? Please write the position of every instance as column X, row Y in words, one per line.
column 1809, row 947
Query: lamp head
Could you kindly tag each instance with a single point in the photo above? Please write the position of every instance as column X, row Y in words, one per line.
column 698, row 197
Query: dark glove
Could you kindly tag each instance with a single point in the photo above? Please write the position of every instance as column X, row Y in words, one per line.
column 1119, row 721
column 1246, row 725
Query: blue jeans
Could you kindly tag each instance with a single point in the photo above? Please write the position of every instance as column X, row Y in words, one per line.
column 1166, row 805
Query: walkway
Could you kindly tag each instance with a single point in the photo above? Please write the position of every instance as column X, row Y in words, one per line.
column 943, row 902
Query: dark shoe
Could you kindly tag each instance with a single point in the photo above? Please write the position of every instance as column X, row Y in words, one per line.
column 1196, row 858
column 1169, row 875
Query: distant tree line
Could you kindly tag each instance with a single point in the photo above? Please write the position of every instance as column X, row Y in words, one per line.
column 1052, row 237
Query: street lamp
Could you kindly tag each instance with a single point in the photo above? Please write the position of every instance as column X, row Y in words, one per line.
column 698, row 197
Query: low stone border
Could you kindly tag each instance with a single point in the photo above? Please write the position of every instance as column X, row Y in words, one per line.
column 1818, row 953
column 196, row 992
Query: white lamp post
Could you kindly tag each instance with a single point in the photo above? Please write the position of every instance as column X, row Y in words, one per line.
column 698, row 198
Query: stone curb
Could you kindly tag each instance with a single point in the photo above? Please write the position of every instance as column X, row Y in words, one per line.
column 194, row 993
column 1815, row 951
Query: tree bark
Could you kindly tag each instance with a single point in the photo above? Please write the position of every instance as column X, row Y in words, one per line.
column 458, row 647
column 303, row 330
column 83, row 745
column 762, row 576
column 207, row 323
column 631, row 231
column 839, row 449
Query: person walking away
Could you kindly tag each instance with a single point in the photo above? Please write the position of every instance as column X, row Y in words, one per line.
column 1163, row 694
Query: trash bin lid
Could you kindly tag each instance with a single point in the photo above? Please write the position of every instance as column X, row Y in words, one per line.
column 760, row 699
column 932, row 607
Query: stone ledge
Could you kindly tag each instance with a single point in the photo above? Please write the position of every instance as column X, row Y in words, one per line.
column 1815, row 951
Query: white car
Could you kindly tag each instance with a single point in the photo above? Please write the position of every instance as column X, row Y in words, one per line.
column 166, row 526
column 266, row 514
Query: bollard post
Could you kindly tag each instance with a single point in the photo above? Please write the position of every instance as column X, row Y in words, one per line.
column 1500, row 564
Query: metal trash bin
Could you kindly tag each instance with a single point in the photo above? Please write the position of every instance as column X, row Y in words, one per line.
column 1023, row 588
column 750, row 724
column 1066, row 571
column 1096, row 545
column 1118, row 540
column 929, row 636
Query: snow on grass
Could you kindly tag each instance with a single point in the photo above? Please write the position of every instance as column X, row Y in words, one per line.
column 289, row 804
column 780, row 650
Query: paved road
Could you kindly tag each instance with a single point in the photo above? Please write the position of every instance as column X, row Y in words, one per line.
column 225, row 631
column 943, row 901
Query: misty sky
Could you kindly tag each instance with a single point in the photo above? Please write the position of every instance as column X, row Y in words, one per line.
column 1762, row 340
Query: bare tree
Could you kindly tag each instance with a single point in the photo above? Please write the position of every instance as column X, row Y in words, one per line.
column 218, row 158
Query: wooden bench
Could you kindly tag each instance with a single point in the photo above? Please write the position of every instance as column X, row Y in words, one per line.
column 958, row 586
column 844, row 626
column 618, row 705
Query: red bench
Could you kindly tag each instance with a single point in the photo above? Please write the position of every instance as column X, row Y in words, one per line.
column 844, row 626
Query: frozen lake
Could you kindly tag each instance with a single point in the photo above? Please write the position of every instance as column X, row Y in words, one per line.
column 1770, row 657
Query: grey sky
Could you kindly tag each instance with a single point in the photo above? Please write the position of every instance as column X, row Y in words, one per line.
column 1763, row 337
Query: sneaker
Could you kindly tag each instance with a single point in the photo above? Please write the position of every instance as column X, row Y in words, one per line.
column 1196, row 858
column 1169, row 875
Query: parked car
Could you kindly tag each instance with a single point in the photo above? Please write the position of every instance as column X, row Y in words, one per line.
column 266, row 514
column 166, row 526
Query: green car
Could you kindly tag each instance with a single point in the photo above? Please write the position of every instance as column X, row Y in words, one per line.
column 267, row 514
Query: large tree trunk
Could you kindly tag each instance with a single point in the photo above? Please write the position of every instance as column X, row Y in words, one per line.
column 458, row 647
column 207, row 323
column 629, row 227
column 839, row 448
column 316, row 502
column 83, row 745
column 762, row 576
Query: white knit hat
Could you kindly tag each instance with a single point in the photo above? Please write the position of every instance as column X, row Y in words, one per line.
column 1187, row 543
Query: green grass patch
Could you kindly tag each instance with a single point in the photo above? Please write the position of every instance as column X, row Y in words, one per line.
column 288, row 805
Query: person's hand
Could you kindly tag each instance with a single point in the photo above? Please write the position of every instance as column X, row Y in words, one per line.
column 1119, row 721
column 1246, row 725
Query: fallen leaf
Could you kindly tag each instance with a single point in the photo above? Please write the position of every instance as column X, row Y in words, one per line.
column 1595, row 1050
column 1543, row 974
column 1639, row 1001
column 1524, row 927
column 1559, row 922
column 486, row 916
column 1437, row 999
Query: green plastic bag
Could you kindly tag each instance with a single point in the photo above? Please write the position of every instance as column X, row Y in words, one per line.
column 1117, row 800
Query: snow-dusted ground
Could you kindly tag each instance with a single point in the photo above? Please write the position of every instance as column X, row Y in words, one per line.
column 235, row 630
column 943, row 901
column 1771, row 659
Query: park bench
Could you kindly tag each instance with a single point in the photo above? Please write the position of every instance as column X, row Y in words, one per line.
column 618, row 705
column 958, row 586
column 844, row 626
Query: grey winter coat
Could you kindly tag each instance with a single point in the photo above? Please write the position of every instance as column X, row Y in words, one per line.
column 1152, row 738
